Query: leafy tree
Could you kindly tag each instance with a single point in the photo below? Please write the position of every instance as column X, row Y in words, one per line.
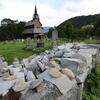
column 50, row 33
column 97, row 27
column 8, row 29
column 11, row 29
column 61, row 31
column 88, row 30
column 20, row 28
column 69, row 30
column 6, row 21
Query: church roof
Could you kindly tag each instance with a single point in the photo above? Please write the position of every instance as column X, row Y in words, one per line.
column 29, row 23
column 33, row 30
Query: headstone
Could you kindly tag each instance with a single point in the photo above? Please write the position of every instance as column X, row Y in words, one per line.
column 40, row 43
column 28, row 43
column 54, row 38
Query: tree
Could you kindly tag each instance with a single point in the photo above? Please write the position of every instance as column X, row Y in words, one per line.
column 20, row 27
column 97, row 27
column 8, row 29
column 50, row 32
column 69, row 30
column 11, row 29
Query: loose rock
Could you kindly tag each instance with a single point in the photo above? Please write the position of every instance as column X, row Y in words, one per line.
column 68, row 73
column 54, row 72
column 36, row 83
column 19, row 86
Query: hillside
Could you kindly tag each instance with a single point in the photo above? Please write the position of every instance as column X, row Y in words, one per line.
column 80, row 20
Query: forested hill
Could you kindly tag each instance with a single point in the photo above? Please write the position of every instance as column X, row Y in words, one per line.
column 81, row 20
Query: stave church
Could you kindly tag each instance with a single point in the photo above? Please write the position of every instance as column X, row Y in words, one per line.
column 33, row 28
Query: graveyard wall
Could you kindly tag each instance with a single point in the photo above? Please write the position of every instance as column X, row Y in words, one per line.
column 74, row 88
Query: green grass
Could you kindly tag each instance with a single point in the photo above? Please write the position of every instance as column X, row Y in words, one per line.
column 92, row 41
column 10, row 50
column 92, row 85
column 64, row 40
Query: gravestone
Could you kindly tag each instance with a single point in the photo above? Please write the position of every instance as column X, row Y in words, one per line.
column 28, row 44
column 40, row 43
column 54, row 38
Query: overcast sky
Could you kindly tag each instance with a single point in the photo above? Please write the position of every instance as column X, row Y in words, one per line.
column 51, row 12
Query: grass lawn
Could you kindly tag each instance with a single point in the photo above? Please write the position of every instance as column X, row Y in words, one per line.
column 11, row 50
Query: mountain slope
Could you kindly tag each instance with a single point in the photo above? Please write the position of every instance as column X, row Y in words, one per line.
column 80, row 20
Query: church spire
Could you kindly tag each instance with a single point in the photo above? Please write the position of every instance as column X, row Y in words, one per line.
column 35, row 13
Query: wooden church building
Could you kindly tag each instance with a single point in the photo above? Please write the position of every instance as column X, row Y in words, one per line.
column 33, row 28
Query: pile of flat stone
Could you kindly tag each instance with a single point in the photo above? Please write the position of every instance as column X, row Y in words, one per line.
column 3, row 63
column 50, row 75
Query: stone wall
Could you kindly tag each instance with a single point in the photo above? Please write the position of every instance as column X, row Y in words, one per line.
column 57, row 74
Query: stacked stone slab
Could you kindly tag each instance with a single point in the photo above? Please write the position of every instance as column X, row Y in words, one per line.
column 57, row 74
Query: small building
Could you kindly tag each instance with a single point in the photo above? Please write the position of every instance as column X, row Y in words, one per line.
column 34, row 28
